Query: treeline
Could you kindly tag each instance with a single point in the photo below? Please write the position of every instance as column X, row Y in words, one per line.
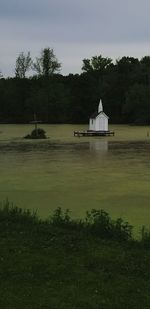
column 124, row 87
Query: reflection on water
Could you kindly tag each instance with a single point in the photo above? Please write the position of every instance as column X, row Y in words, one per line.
column 100, row 146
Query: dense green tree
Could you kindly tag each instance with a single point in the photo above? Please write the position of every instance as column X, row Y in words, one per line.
column 145, row 70
column 23, row 64
column 124, row 87
column 127, row 64
column 97, row 69
column 47, row 64
column 96, row 63
column 145, row 60
column 137, row 105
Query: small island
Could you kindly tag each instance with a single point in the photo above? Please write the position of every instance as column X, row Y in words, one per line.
column 37, row 133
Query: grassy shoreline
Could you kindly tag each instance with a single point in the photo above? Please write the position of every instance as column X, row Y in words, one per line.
column 60, row 263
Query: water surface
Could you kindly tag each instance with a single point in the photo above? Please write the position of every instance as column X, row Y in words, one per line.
column 112, row 173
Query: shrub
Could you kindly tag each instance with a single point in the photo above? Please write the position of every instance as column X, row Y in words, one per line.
column 100, row 223
column 13, row 213
column 96, row 222
column 36, row 134
column 122, row 229
column 60, row 217
column 145, row 236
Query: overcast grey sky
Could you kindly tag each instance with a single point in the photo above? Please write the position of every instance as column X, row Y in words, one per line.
column 75, row 29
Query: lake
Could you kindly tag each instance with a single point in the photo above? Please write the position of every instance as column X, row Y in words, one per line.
column 112, row 173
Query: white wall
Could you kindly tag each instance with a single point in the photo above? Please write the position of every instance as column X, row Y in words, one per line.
column 100, row 123
column 92, row 123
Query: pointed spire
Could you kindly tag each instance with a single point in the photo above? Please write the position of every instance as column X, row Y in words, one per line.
column 100, row 106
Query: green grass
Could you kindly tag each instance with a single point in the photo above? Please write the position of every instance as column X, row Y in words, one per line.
column 60, row 263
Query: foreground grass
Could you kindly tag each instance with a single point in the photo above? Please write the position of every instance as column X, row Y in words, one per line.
column 62, row 264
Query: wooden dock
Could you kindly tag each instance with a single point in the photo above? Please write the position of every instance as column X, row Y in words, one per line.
column 94, row 133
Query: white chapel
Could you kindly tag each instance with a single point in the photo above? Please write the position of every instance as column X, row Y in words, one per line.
column 99, row 120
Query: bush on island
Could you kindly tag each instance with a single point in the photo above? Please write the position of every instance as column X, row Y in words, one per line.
column 36, row 134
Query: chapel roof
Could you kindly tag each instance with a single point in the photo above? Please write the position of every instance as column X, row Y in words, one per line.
column 95, row 114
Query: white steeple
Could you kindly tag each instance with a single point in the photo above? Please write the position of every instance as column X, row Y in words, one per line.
column 100, row 106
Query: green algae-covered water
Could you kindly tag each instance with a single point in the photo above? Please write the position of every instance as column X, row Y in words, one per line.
column 112, row 173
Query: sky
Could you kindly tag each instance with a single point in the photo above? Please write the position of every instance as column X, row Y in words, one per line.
column 75, row 29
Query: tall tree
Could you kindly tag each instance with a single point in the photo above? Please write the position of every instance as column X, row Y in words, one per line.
column 47, row 64
column 127, row 65
column 96, row 63
column 23, row 64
